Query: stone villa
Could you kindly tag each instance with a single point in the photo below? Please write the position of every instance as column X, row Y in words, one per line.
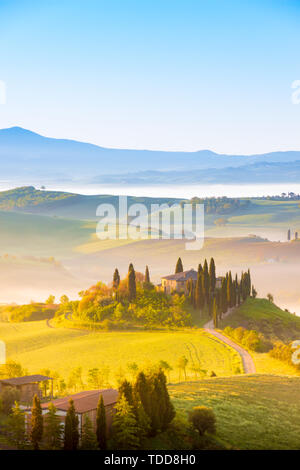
column 178, row 282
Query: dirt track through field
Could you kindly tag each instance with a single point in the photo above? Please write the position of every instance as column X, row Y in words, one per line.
column 248, row 364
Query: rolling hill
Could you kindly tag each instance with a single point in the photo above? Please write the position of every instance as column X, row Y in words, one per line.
column 36, row 346
column 60, row 160
column 265, row 317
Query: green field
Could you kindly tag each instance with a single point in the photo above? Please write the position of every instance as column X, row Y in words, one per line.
column 36, row 346
column 253, row 412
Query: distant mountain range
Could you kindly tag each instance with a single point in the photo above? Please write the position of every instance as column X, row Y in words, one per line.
column 30, row 158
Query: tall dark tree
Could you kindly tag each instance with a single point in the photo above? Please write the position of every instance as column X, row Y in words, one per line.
column 101, row 431
column 212, row 275
column 215, row 313
column 206, row 282
column 168, row 408
column 53, row 429
column 36, row 425
column 125, row 389
column 245, row 285
column 199, row 292
column 249, row 283
column 141, row 392
column 125, row 430
column 152, row 392
column 88, row 437
column 116, row 280
column 191, row 292
column 131, row 283
column 224, row 301
column 229, row 290
column 147, row 275
column 179, row 266
column 71, row 438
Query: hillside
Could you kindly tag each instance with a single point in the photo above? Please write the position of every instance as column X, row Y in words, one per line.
column 28, row 199
column 265, row 317
column 253, row 412
column 45, row 159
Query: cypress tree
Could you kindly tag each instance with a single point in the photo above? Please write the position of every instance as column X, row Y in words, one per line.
column 88, row 437
column 168, row 408
column 191, row 292
column 36, row 431
column 131, row 283
column 125, row 427
column 101, row 431
column 199, row 293
column 215, row 313
column 126, row 390
column 116, row 280
column 249, row 284
column 144, row 423
column 17, row 426
column 206, row 282
column 141, row 392
column 229, row 290
column 71, row 438
column 147, row 275
column 212, row 275
column 224, row 302
column 53, row 429
column 179, row 266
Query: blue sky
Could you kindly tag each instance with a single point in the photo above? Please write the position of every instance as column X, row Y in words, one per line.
column 156, row 74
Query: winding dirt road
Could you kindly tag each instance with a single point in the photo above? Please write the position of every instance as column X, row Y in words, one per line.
column 248, row 364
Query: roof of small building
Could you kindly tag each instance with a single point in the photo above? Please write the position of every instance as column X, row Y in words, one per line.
column 183, row 276
column 26, row 379
column 85, row 401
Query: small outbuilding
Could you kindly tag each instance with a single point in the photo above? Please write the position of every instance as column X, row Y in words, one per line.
column 28, row 386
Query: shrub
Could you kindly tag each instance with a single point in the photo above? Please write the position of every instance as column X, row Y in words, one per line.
column 203, row 420
column 7, row 399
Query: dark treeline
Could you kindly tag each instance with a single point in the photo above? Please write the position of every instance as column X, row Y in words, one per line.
column 144, row 409
column 220, row 205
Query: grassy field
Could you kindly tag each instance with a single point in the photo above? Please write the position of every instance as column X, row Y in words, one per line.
column 253, row 412
column 265, row 364
column 265, row 317
column 36, row 346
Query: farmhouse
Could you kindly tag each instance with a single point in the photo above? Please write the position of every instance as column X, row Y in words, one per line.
column 85, row 404
column 28, row 386
column 179, row 281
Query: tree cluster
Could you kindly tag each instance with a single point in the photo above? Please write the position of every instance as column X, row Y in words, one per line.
column 206, row 296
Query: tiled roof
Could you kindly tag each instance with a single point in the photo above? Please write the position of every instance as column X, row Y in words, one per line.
column 26, row 379
column 184, row 276
column 85, row 401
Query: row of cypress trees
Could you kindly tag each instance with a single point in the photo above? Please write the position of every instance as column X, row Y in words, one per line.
column 131, row 281
column 50, row 430
column 204, row 295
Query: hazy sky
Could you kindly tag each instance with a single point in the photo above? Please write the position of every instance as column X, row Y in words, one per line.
column 156, row 74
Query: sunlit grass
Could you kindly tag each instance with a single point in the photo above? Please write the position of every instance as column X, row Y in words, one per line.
column 36, row 346
column 253, row 412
